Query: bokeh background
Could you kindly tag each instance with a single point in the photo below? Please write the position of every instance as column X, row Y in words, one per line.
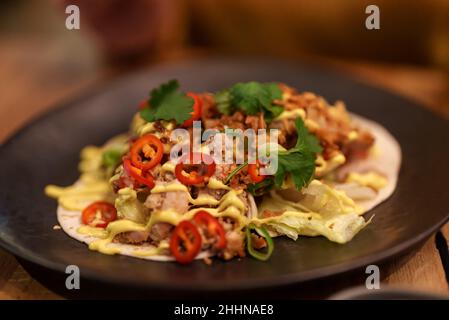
column 412, row 31
column 118, row 36
column 39, row 55
column 43, row 64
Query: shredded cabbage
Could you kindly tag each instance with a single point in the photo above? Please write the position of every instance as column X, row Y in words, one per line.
column 320, row 210
column 128, row 207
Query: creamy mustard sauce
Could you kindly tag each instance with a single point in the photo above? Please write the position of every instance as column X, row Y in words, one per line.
column 203, row 199
column 168, row 167
column 230, row 205
column 92, row 231
column 369, row 179
column 298, row 113
column 291, row 114
column 169, row 187
column 77, row 197
column 217, row 184
column 144, row 251
column 93, row 184
column 311, row 125
column 146, row 128
column 114, row 228
column 323, row 167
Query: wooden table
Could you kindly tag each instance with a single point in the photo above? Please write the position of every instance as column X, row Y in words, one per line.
column 36, row 75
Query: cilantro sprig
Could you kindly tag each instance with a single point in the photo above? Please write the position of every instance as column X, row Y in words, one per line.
column 298, row 162
column 166, row 103
column 250, row 97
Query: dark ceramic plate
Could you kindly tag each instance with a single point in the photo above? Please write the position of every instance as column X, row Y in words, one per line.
column 47, row 151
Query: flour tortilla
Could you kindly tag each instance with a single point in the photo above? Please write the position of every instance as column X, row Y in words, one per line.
column 385, row 161
column 70, row 221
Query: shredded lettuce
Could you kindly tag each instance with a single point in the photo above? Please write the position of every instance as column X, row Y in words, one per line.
column 128, row 207
column 319, row 210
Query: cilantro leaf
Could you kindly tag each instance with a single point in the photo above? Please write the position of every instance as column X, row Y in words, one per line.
column 223, row 101
column 298, row 162
column 250, row 97
column 305, row 140
column 301, row 167
column 157, row 95
column 166, row 103
column 258, row 189
column 275, row 91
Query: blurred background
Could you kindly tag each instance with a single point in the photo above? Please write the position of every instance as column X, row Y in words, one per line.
column 39, row 55
column 42, row 64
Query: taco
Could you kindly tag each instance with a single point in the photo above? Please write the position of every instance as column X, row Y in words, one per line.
column 135, row 198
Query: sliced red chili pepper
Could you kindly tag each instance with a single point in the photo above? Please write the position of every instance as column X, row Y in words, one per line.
column 143, row 104
column 253, row 170
column 213, row 227
column 185, row 242
column 197, row 108
column 191, row 174
column 141, row 176
column 147, row 152
column 99, row 214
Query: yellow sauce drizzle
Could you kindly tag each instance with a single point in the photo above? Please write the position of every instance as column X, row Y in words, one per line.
column 113, row 229
column 291, row 114
column 92, row 231
column 77, row 197
column 230, row 205
column 217, row 184
column 369, row 179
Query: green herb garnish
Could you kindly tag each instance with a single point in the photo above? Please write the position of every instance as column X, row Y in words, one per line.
column 166, row 103
column 250, row 97
column 263, row 256
column 258, row 189
column 298, row 161
column 234, row 172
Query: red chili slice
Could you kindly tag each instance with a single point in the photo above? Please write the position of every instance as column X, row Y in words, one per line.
column 185, row 242
column 213, row 227
column 147, row 152
column 191, row 174
column 197, row 108
column 106, row 211
column 253, row 170
column 143, row 104
column 141, row 176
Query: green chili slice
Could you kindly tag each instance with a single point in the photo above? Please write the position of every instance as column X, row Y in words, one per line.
column 235, row 171
column 263, row 256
